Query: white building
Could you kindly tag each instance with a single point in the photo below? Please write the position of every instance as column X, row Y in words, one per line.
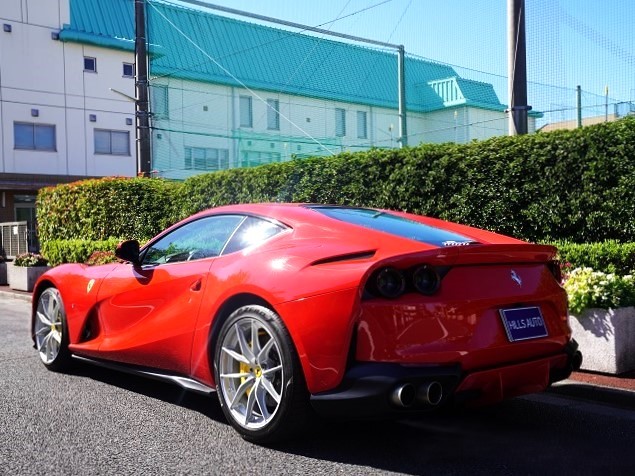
column 59, row 119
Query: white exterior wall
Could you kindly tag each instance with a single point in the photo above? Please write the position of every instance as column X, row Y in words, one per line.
column 210, row 114
column 43, row 74
column 484, row 123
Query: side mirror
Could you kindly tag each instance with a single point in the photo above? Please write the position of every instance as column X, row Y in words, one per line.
column 128, row 251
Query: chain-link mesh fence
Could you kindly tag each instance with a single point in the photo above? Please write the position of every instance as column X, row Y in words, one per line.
column 230, row 92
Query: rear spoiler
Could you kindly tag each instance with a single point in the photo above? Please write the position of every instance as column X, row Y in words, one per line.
column 478, row 254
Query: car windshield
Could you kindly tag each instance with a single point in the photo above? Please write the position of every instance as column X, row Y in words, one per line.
column 395, row 225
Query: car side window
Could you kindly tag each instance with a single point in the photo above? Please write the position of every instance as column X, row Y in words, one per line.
column 199, row 239
column 251, row 232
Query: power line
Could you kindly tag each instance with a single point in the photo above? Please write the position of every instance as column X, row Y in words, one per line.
column 190, row 40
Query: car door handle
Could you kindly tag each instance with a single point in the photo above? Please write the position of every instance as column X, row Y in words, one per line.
column 196, row 285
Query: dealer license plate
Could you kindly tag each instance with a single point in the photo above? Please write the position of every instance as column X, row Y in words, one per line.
column 523, row 323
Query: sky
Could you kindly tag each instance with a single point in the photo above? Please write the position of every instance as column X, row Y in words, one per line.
column 590, row 43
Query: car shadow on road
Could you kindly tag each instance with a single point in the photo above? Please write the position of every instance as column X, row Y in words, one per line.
column 205, row 404
column 518, row 436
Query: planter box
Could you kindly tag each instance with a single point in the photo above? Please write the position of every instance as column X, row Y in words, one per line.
column 606, row 338
column 22, row 278
column 3, row 274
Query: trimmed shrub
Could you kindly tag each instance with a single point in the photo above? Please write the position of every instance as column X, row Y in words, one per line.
column 606, row 257
column 98, row 209
column 101, row 257
column 75, row 251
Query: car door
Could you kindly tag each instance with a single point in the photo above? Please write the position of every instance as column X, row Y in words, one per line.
column 148, row 312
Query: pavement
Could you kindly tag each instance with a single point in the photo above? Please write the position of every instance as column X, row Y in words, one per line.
column 603, row 388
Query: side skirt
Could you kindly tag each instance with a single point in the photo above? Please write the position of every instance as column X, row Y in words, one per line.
column 184, row 382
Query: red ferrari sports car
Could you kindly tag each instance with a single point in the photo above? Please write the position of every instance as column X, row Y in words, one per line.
column 286, row 310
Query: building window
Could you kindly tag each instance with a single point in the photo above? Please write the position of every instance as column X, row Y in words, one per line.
column 160, row 103
column 90, row 64
column 340, row 122
column 252, row 158
column 30, row 136
column 362, row 132
column 246, row 113
column 273, row 114
column 200, row 158
column 112, row 142
column 128, row 70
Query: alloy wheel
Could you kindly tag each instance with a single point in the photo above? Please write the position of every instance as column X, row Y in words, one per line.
column 49, row 326
column 251, row 372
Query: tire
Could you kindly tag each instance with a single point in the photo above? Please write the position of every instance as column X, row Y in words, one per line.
column 260, row 384
column 50, row 331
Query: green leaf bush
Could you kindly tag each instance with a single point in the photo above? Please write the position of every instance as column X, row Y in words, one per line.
column 607, row 256
column 101, row 257
column 98, row 209
column 77, row 250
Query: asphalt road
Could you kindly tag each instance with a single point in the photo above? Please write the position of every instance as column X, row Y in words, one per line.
column 96, row 421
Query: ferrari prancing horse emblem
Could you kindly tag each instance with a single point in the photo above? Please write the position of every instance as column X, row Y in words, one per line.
column 89, row 286
column 516, row 278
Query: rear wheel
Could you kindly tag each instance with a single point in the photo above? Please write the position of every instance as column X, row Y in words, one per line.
column 258, row 377
column 50, row 330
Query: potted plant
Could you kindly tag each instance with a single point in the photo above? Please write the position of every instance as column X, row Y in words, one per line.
column 25, row 270
column 603, row 319
column 3, row 270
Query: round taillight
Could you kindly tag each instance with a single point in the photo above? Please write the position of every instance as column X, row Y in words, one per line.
column 425, row 280
column 389, row 283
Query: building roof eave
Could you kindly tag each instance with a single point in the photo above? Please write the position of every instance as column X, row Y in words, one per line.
column 69, row 35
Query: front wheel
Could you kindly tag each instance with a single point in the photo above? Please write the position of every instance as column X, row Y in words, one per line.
column 50, row 330
column 259, row 381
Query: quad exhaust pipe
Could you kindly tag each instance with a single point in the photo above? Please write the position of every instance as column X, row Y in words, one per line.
column 430, row 393
column 405, row 395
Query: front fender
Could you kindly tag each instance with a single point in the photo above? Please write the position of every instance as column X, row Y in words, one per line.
column 78, row 285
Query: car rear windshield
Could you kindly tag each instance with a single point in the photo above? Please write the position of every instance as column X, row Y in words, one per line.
column 395, row 225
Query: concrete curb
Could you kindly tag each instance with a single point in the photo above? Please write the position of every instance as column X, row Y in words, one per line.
column 8, row 293
column 614, row 396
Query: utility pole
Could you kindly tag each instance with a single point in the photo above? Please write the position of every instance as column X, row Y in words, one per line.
column 142, row 103
column 517, row 67
column 578, row 91
column 401, row 79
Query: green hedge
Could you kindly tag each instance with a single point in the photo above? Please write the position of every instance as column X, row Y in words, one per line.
column 576, row 186
column 606, row 257
column 102, row 208
column 75, row 251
